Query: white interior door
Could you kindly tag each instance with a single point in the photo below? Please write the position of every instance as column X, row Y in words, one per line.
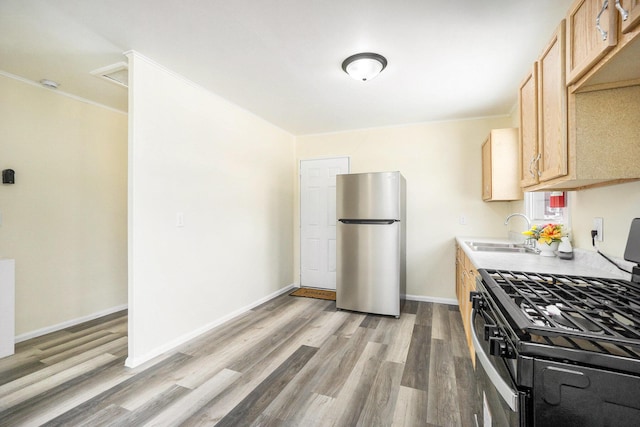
column 318, row 221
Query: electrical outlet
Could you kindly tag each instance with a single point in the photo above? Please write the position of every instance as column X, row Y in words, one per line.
column 597, row 225
column 179, row 219
column 463, row 220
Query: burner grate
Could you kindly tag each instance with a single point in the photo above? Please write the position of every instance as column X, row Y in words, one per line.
column 573, row 311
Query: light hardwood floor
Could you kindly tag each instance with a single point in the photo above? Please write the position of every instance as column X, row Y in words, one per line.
column 289, row 362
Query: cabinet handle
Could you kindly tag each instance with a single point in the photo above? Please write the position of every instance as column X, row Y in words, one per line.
column 623, row 12
column 603, row 33
column 535, row 160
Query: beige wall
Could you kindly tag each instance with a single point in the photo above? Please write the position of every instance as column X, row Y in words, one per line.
column 65, row 219
column 231, row 175
column 442, row 165
column 616, row 204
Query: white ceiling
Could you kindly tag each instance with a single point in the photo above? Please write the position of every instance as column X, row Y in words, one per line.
column 281, row 59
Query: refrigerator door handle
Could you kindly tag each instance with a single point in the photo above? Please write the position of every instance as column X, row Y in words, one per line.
column 368, row 221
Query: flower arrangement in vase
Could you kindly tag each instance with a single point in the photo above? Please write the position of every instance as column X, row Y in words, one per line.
column 547, row 236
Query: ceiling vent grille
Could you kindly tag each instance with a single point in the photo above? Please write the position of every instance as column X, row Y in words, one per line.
column 116, row 73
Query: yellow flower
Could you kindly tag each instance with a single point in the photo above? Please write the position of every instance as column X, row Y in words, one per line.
column 548, row 233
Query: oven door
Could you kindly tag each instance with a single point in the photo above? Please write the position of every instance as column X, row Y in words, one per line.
column 501, row 401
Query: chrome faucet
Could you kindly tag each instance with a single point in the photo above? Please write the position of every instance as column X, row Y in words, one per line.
column 528, row 241
column 506, row 222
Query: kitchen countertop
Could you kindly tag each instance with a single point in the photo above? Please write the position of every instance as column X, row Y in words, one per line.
column 585, row 263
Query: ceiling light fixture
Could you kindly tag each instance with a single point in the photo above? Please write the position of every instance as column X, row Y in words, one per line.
column 49, row 84
column 364, row 66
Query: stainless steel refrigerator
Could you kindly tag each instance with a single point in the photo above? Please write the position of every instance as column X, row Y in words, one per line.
column 371, row 272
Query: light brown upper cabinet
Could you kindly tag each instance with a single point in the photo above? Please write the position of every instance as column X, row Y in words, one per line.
column 591, row 33
column 603, row 129
column 500, row 166
column 528, row 102
column 629, row 13
column 552, row 108
column 603, row 44
column 543, row 115
column 580, row 139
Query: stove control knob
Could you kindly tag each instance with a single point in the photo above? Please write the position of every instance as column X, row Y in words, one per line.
column 498, row 346
column 491, row 331
column 476, row 300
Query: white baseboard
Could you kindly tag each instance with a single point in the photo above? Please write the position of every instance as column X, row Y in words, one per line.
column 133, row 362
column 68, row 323
column 448, row 301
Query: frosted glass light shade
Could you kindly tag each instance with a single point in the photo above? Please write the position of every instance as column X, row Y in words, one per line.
column 364, row 66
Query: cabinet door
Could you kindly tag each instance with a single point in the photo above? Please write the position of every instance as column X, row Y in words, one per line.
column 459, row 276
column 528, row 102
column 471, row 286
column 629, row 14
column 464, row 308
column 486, row 170
column 591, row 33
column 552, row 109
column 464, row 295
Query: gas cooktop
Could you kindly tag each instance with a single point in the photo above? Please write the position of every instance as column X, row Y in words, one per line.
column 582, row 313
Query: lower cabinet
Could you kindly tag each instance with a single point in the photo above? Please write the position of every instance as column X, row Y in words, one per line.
column 466, row 275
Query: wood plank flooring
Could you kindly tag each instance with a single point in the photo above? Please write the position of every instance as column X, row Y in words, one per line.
column 289, row 362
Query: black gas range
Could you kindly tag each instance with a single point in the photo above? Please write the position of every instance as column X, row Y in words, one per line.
column 566, row 348
column 557, row 350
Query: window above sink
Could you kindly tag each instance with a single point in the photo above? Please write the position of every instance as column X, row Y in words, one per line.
column 538, row 206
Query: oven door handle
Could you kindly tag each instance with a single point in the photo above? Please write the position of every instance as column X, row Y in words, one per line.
column 504, row 389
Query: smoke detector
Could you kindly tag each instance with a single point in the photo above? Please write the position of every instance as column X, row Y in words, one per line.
column 115, row 73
